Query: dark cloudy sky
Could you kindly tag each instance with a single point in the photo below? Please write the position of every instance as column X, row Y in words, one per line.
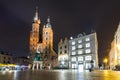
column 68, row 18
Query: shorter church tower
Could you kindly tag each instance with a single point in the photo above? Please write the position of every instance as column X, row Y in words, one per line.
column 47, row 39
column 48, row 35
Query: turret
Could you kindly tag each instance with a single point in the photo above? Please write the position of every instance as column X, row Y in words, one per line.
column 36, row 17
column 48, row 23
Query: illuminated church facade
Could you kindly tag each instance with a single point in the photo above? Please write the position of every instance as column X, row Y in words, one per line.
column 41, row 46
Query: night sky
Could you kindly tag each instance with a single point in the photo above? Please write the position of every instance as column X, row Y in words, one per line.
column 68, row 18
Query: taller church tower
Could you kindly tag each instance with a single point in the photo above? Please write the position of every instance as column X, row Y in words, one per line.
column 34, row 34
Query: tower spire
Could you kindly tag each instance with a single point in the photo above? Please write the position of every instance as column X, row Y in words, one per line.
column 36, row 14
column 48, row 19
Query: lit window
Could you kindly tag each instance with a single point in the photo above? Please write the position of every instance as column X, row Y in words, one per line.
column 87, row 39
column 80, row 51
column 73, row 43
column 79, row 46
column 79, row 41
column 80, row 58
column 73, row 47
column 88, row 58
column 73, row 59
column 88, row 51
column 87, row 45
column 73, row 53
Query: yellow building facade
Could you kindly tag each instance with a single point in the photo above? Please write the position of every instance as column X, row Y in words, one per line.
column 117, row 45
column 114, row 55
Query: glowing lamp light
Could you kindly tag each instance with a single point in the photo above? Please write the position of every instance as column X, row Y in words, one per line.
column 105, row 60
column 71, row 37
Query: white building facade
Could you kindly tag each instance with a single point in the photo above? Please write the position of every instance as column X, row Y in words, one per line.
column 83, row 52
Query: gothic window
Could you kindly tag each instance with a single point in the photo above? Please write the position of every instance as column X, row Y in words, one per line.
column 46, row 32
column 33, row 48
column 46, row 38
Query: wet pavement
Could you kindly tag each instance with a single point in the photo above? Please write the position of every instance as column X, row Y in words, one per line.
column 59, row 75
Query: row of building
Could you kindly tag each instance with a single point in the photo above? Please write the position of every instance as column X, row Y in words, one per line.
column 9, row 62
column 80, row 52
column 7, row 58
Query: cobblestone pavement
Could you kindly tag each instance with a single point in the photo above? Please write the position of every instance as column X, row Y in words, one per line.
column 60, row 75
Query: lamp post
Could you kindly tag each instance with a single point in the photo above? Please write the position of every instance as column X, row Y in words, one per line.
column 105, row 62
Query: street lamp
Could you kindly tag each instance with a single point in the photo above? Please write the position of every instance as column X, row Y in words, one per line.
column 105, row 62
